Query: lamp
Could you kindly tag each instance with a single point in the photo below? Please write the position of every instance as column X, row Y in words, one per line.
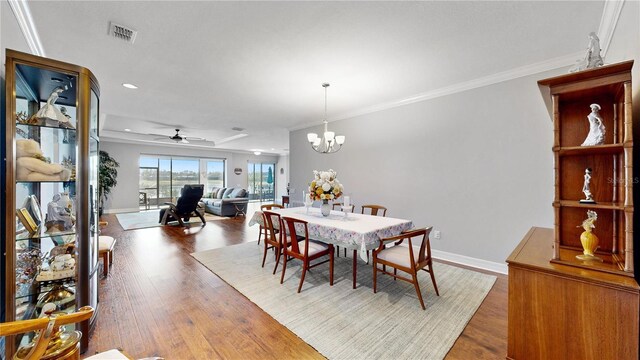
column 329, row 142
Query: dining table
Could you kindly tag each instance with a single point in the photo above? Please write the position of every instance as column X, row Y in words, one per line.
column 357, row 232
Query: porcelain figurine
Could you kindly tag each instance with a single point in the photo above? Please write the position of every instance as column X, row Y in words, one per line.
column 592, row 59
column 596, row 127
column 586, row 188
column 50, row 114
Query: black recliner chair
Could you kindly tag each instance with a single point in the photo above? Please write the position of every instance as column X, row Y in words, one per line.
column 185, row 207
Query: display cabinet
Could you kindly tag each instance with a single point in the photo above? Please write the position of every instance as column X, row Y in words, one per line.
column 604, row 169
column 50, row 203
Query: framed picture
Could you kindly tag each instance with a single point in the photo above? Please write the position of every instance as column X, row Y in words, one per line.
column 27, row 220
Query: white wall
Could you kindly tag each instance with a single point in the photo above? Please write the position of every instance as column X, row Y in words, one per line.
column 477, row 165
column 124, row 196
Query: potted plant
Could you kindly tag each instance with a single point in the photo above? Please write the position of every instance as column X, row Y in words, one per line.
column 108, row 172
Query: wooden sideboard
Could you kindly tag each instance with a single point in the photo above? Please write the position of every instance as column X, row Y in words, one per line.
column 564, row 312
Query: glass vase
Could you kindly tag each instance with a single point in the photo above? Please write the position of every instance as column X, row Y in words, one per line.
column 325, row 208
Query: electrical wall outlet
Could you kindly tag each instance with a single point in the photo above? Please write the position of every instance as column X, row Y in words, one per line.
column 436, row 234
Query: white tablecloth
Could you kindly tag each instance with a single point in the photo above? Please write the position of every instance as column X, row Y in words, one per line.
column 354, row 231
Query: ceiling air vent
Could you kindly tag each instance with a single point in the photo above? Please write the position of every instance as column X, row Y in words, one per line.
column 237, row 128
column 122, row 32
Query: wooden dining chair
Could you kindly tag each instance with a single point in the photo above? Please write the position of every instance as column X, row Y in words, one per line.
column 273, row 239
column 410, row 258
column 304, row 250
column 374, row 210
column 263, row 230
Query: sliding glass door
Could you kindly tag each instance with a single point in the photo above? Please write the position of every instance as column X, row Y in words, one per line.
column 162, row 177
column 261, row 180
column 183, row 171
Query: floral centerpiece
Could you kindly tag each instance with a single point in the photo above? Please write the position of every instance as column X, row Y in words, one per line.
column 325, row 187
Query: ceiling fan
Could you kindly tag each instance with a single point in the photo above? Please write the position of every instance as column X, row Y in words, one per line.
column 179, row 138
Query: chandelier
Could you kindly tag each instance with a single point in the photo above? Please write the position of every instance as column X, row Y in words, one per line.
column 329, row 142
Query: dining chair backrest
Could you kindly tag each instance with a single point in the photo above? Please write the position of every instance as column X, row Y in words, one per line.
column 339, row 205
column 374, row 209
column 425, row 245
column 271, row 206
column 291, row 232
column 268, row 217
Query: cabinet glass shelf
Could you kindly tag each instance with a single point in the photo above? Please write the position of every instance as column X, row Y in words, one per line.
column 43, row 234
column 19, row 124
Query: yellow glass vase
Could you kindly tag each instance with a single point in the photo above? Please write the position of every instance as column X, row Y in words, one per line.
column 588, row 239
column 589, row 242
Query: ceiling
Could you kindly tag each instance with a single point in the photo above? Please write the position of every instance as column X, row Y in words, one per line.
column 206, row 67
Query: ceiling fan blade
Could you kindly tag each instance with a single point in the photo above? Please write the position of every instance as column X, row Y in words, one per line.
column 194, row 138
column 184, row 141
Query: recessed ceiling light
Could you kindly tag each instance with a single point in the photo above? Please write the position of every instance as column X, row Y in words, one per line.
column 272, row 149
column 129, row 86
column 257, row 152
column 127, row 129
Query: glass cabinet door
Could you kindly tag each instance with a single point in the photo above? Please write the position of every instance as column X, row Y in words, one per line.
column 51, row 123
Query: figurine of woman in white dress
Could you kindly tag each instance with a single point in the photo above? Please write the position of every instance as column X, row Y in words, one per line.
column 596, row 127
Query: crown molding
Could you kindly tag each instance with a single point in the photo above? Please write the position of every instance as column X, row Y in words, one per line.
column 21, row 12
column 608, row 22
column 535, row 68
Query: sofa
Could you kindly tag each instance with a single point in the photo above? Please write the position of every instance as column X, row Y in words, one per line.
column 226, row 201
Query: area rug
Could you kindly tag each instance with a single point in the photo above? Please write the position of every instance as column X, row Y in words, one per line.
column 343, row 323
column 149, row 218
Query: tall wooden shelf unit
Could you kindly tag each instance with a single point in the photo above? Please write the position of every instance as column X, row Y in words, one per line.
column 29, row 82
column 561, row 307
column 611, row 164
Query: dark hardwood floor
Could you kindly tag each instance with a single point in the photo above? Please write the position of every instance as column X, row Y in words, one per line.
column 159, row 301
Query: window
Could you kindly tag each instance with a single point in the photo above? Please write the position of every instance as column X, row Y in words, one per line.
column 162, row 177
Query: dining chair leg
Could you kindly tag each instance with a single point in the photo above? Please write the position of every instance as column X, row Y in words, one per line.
column 415, row 284
column 395, row 272
column 264, row 257
column 345, row 252
column 284, row 267
column 433, row 279
column 277, row 261
column 305, row 265
column 338, row 250
column 259, row 234
column 331, row 267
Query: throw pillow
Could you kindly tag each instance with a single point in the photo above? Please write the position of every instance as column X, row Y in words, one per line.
column 227, row 193
column 220, row 193
column 237, row 193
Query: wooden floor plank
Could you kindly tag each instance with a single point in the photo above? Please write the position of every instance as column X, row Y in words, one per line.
column 159, row 301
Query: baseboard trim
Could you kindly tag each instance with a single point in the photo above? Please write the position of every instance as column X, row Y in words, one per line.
column 469, row 261
column 117, row 211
